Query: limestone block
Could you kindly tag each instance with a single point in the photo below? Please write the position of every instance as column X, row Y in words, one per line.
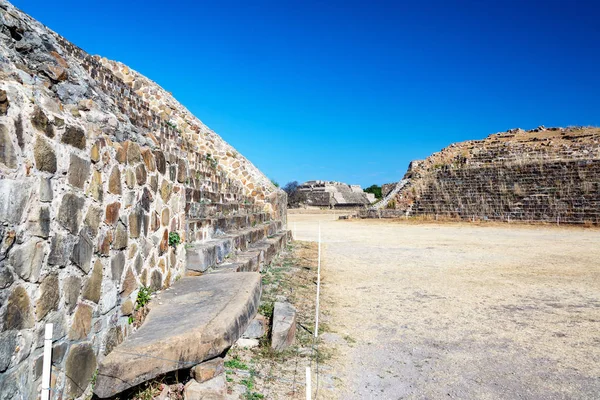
column 46, row 194
column 213, row 389
column 82, row 322
column 14, row 195
column 8, row 344
column 71, row 289
column 284, row 326
column 27, row 259
column 82, row 252
column 49, row 296
column 38, row 221
column 18, row 313
column 79, row 368
column 44, row 155
column 114, row 181
column 61, row 248
column 69, row 213
column 79, row 170
column 208, row 370
column 74, row 136
column 93, row 286
column 120, row 239
column 92, row 221
column 8, row 156
column 117, row 264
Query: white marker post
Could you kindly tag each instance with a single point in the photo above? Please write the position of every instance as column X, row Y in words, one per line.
column 47, row 363
column 308, row 389
column 318, row 284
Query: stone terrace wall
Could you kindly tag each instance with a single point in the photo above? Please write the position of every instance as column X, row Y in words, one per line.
column 550, row 175
column 96, row 169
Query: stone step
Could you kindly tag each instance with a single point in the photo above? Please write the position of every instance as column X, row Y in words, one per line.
column 205, row 228
column 257, row 255
column 201, row 256
column 196, row 320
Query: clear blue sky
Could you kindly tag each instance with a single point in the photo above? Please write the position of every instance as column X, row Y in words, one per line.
column 347, row 90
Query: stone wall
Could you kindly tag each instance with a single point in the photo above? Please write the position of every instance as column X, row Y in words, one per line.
column 98, row 166
column 550, row 175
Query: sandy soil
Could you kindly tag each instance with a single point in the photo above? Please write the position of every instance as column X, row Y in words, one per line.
column 426, row 311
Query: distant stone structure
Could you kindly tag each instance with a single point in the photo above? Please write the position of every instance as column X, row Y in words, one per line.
column 543, row 174
column 108, row 185
column 334, row 195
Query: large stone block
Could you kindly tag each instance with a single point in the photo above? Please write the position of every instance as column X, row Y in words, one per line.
column 138, row 223
column 18, row 313
column 46, row 194
column 214, row 389
column 79, row 368
column 208, row 370
column 284, row 326
column 121, row 238
column 8, row 156
column 93, row 286
column 61, row 248
column 79, row 170
column 82, row 322
column 92, row 221
column 114, row 181
column 69, row 213
column 82, row 252
column 74, row 136
column 161, row 162
column 8, row 345
column 27, row 259
column 14, row 195
column 95, row 188
column 44, row 155
column 117, row 264
column 112, row 213
column 71, row 289
column 40, row 121
column 38, row 221
column 49, row 296
column 129, row 283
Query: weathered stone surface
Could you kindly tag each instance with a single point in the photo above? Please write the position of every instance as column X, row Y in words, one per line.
column 114, row 337
column 161, row 163
column 104, row 242
column 14, row 195
column 156, row 280
column 117, row 264
column 138, row 223
column 138, row 264
column 208, row 370
column 38, row 221
column 283, row 331
column 8, row 344
column 95, row 152
column 27, row 259
column 46, row 194
column 149, row 160
column 114, row 181
column 245, row 343
column 69, row 213
column 71, row 289
column 133, row 153
column 198, row 319
column 18, row 313
column 40, row 121
column 74, row 136
column 93, row 286
column 127, row 307
column 49, row 296
column 146, row 200
column 82, row 252
column 154, row 183
column 257, row 328
column 120, row 240
column 79, row 367
column 214, row 389
column 82, row 322
column 44, row 155
column 79, row 170
column 6, row 276
column 129, row 283
column 140, row 174
column 112, row 213
column 165, row 217
column 92, row 221
column 61, row 248
column 8, row 156
column 165, row 190
column 4, row 103
column 130, row 178
column 95, row 187
column 181, row 171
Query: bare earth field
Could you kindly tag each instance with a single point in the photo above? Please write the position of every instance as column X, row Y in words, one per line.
column 438, row 311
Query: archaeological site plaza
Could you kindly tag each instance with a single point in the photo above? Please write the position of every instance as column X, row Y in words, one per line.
column 144, row 257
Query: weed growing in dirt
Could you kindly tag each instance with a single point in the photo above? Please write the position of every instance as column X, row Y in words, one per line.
column 236, row 363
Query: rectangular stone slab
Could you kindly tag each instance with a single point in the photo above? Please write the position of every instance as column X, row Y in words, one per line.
column 198, row 319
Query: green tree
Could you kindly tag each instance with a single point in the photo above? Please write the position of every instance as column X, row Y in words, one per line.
column 376, row 190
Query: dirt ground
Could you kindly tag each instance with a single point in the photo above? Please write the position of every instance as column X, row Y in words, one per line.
column 437, row 311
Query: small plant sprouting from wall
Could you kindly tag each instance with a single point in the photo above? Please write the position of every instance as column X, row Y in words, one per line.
column 174, row 239
column 143, row 297
column 212, row 162
column 274, row 183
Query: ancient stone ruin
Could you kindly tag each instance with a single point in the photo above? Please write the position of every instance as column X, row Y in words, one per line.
column 544, row 174
column 108, row 185
column 329, row 194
